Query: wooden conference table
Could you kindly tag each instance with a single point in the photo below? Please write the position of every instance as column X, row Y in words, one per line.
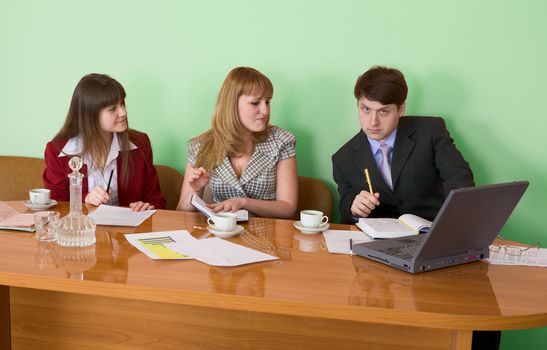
column 111, row 296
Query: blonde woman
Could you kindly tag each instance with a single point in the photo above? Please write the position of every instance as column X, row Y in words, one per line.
column 246, row 162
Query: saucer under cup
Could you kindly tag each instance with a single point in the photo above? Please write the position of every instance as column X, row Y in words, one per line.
column 38, row 207
column 224, row 234
column 310, row 230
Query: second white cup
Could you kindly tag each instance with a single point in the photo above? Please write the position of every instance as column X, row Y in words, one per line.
column 39, row 196
column 223, row 221
column 312, row 218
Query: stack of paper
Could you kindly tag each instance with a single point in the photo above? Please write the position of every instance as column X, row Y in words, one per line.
column 10, row 219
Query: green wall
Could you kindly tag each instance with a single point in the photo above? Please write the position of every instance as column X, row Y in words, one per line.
column 482, row 65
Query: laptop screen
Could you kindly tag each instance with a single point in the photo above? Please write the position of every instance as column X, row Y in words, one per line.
column 470, row 218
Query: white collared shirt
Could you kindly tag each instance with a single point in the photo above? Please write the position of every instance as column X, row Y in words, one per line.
column 94, row 175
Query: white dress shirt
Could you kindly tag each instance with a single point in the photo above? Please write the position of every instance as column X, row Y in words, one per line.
column 96, row 177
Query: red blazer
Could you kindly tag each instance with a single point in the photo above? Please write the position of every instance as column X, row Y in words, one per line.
column 143, row 181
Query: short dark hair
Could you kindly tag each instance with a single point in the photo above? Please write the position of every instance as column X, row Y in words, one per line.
column 382, row 84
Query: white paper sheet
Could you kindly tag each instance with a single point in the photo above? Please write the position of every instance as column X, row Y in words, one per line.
column 219, row 252
column 119, row 216
column 338, row 240
column 153, row 244
column 530, row 257
column 199, row 204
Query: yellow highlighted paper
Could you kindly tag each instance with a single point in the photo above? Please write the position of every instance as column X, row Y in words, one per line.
column 163, row 252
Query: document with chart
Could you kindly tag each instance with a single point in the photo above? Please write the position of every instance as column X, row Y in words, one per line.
column 154, row 244
column 219, row 252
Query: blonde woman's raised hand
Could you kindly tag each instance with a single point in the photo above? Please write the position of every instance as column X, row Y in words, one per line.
column 198, row 179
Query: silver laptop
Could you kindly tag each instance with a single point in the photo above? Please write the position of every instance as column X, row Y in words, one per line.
column 466, row 225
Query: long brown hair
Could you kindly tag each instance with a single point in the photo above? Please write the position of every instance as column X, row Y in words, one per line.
column 93, row 93
column 224, row 137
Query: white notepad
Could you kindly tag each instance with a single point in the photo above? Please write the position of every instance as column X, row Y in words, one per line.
column 338, row 241
column 405, row 225
column 199, row 204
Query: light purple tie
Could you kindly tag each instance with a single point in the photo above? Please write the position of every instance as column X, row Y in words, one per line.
column 385, row 166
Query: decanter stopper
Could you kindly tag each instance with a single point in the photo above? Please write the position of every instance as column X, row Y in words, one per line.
column 75, row 163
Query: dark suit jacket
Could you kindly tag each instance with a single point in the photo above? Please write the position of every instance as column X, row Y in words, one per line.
column 425, row 166
column 143, row 181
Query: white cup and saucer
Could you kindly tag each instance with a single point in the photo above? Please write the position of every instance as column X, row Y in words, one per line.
column 39, row 199
column 224, row 225
column 311, row 222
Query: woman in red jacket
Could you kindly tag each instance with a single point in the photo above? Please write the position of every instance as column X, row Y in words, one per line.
column 96, row 130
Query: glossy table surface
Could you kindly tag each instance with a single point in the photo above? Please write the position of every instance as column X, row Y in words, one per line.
column 305, row 281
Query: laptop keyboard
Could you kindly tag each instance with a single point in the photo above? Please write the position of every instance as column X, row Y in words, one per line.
column 402, row 252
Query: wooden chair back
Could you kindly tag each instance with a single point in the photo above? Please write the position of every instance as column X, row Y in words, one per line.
column 18, row 175
column 170, row 183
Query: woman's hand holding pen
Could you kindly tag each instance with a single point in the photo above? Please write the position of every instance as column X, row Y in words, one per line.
column 198, row 179
column 98, row 196
column 364, row 203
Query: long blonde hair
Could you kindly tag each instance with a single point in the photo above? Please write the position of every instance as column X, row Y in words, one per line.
column 224, row 137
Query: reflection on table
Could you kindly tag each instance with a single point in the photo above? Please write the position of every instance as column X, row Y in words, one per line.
column 337, row 297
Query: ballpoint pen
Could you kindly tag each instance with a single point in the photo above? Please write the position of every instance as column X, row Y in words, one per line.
column 109, row 180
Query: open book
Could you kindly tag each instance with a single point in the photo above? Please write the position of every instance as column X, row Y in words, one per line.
column 10, row 219
column 199, row 204
column 405, row 225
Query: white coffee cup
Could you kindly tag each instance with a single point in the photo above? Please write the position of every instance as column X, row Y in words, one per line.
column 312, row 218
column 223, row 221
column 39, row 196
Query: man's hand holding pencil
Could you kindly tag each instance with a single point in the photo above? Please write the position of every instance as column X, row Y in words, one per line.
column 366, row 201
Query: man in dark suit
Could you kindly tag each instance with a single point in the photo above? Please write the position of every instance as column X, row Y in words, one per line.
column 412, row 161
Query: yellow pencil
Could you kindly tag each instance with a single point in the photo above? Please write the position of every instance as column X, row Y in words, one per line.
column 367, row 177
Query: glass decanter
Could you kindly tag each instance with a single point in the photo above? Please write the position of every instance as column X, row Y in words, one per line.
column 76, row 229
